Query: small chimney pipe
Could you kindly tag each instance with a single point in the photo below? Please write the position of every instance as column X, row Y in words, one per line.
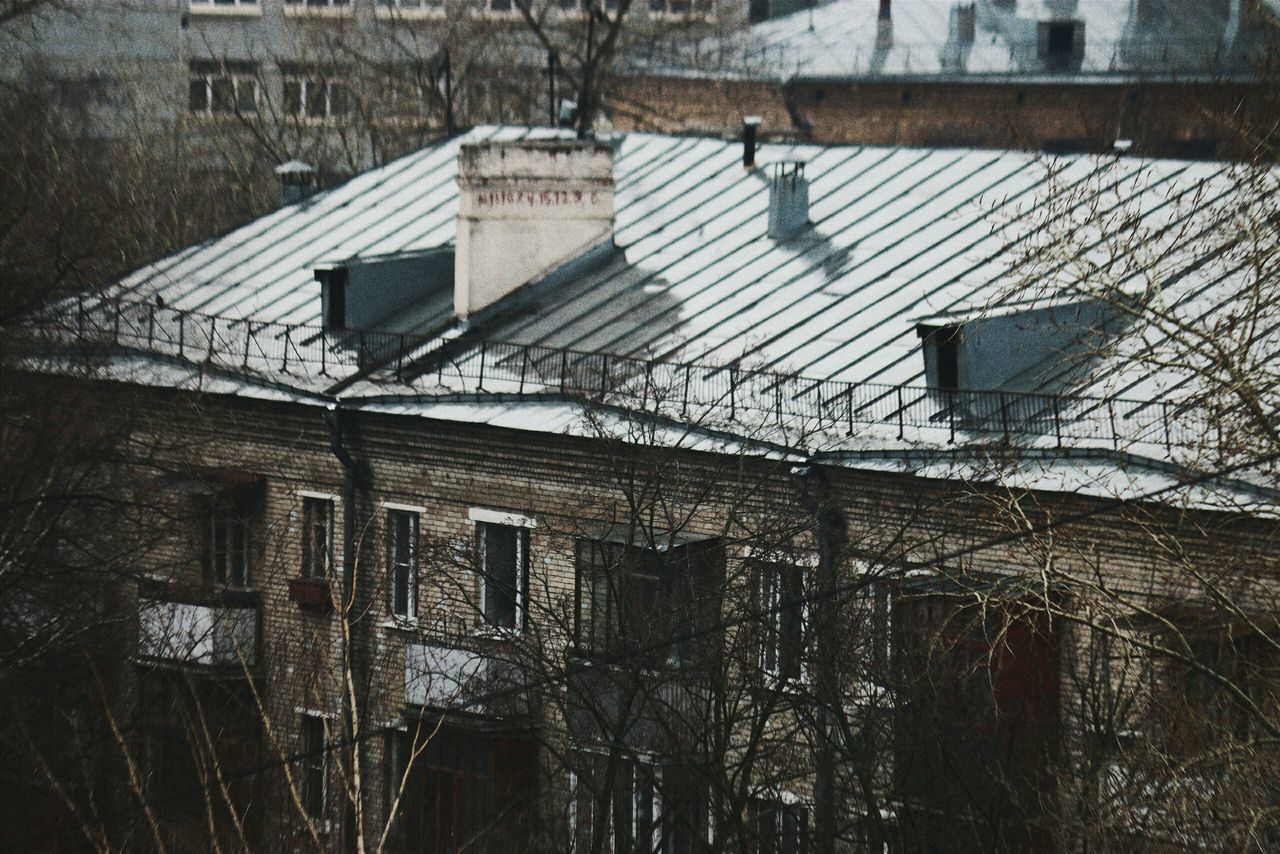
column 885, row 10
column 750, row 125
column 297, row 181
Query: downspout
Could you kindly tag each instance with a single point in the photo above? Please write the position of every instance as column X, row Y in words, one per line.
column 815, row 496
column 355, row 475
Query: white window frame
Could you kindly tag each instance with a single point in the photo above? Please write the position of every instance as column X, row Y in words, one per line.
column 401, row 9
column 305, row 79
column 769, row 611
column 227, row 7
column 416, row 513
column 640, row 761
column 305, row 495
column 214, row 70
column 324, row 719
column 478, row 516
column 323, row 8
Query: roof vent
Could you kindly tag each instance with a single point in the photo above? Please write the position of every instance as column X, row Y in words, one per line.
column 750, row 126
column 964, row 18
column 788, row 200
column 297, row 181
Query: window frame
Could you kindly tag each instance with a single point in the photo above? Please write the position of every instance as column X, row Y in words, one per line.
column 679, row 588
column 313, row 789
column 643, row 776
column 412, row 566
column 307, row 569
column 521, row 571
column 307, row 77
column 773, row 610
column 226, row 514
column 209, row 73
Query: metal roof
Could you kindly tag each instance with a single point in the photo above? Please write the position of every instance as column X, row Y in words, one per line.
column 846, row 39
column 897, row 236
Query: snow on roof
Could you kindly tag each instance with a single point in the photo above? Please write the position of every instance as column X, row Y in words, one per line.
column 846, row 39
column 896, row 235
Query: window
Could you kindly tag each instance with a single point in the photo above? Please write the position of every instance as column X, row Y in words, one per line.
column 617, row 804
column 410, row 8
column 402, row 562
column 1061, row 40
column 221, row 4
column 397, row 755
column 470, row 791
column 504, row 579
column 941, row 346
column 647, row 601
column 317, row 534
column 313, row 94
column 318, row 4
column 782, row 622
column 313, row 766
column 1196, row 711
column 227, row 552
column 778, row 828
column 218, row 88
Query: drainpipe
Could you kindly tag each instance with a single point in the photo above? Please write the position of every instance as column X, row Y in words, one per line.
column 355, row 475
column 815, row 495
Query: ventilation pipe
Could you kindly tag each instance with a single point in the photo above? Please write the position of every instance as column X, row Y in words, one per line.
column 788, row 200
column 297, row 181
column 966, row 22
column 886, row 10
column 750, row 126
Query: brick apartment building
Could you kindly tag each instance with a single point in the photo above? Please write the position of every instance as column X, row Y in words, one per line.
column 619, row 495
column 1162, row 78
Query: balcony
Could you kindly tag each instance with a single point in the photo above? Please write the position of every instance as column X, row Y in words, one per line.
column 461, row 680
column 218, row 634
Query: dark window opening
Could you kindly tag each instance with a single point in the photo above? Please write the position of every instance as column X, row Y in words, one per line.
column 317, row 525
column 949, row 359
column 314, row 762
column 651, row 601
column 906, row 96
column 469, row 791
column 402, row 559
column 227, row 553
column 1061, row 40
column 333, row 286
column 779, row 828
column 782, row 606
column 504, row 561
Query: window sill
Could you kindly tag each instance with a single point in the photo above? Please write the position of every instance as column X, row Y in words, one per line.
column 402, row 624
column 493, row 15
column 296, row 10
column 387, row 13
column 496, row 633
column 209, row 10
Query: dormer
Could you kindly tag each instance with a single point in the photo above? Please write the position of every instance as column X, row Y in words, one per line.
column 1022, row 347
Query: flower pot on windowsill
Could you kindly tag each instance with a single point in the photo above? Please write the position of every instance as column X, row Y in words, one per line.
column 311, row 594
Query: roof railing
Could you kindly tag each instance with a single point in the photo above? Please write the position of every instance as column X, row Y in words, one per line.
column 731, row 393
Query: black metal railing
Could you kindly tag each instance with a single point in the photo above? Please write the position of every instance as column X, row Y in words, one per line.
column 730, row 394
column 739, row 394
column 238, row 344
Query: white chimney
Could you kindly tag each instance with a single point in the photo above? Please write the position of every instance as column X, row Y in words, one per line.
column 524, row 209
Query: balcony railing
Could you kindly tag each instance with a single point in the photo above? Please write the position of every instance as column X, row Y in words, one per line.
column 221, row 633
column 732, row 396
